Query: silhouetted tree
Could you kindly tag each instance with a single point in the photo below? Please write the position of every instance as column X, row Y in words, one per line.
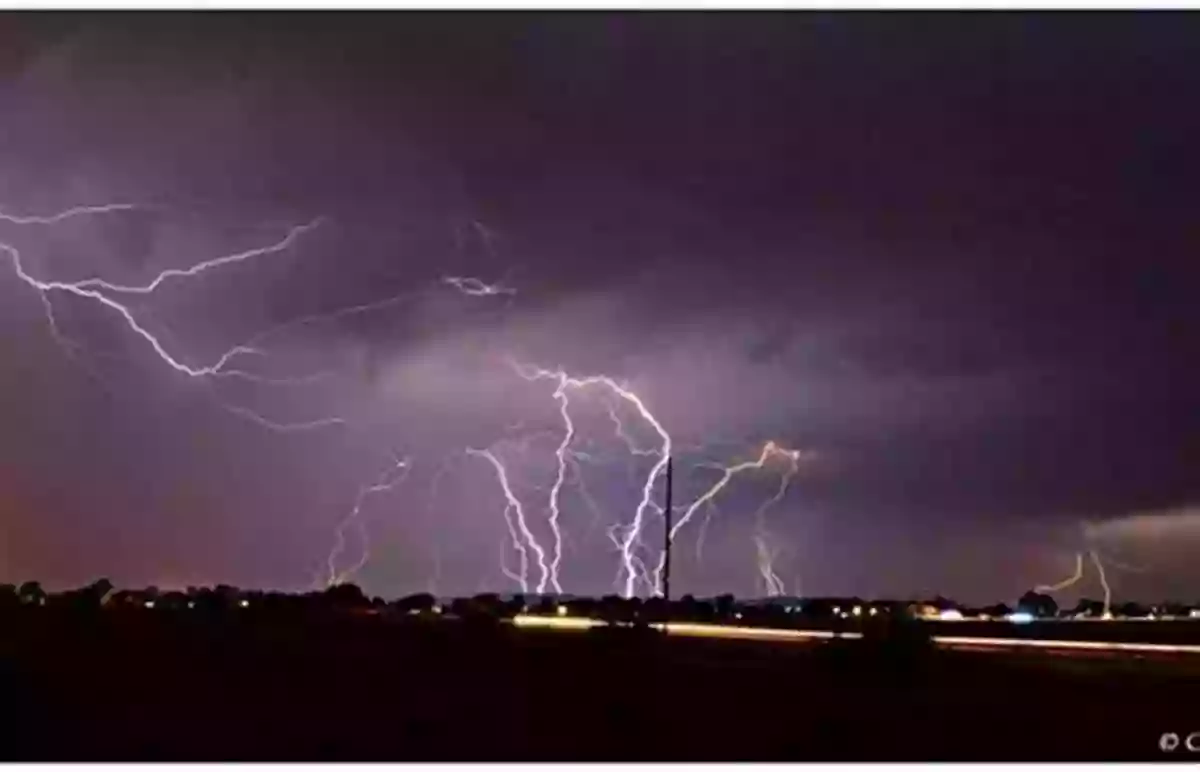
column 655, row 609
column 422, row 601
column 614, row 608
column 944, row 604
column 85, row 599
column 8, row 596
column 1088, row 607
column 1175, row 609
column 173, row 601
column 726, row 606
column 1132, row 609
column 32, row 593
column 346, row 596
column 998, row 611
column 101, row 587
column 1037, row 604
column 484, row 605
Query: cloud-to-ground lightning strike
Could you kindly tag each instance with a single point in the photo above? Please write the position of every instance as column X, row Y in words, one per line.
column 392, row 477
column 762, row 537
column 514, row 511
column 769, row 451
column 1065, row 583
column 1094, row 556
column 772, row 583
column 560, row 454
column 626, row 537
column 1103, row 582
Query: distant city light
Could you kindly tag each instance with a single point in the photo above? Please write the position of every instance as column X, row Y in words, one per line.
column 245, row 603
column 857, row 611
column 149, row 604
column 951, row 614
column 1020, row 617
column 191, row 604
column 562, row 611
column 874, row 611
column 837, row 609
column 1194, row 613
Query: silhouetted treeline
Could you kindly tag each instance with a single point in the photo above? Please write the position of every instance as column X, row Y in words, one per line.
column 723, row 609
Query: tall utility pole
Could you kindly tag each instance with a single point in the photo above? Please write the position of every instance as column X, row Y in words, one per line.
column 666, row 585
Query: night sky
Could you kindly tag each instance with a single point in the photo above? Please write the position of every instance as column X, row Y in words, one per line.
column 953, row 257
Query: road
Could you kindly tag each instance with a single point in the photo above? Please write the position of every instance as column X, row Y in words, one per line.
column 738, row 632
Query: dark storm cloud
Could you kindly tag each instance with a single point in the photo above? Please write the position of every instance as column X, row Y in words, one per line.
column 951, row 253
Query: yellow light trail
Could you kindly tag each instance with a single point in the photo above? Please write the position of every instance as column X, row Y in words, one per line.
column 692, row 629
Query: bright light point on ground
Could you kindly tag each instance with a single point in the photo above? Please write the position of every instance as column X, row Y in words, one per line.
column 245, row 604
column 191, row 604
column 149, row 604
column 1194, row 613
column 857, row 611
column 562, row 611
column 1020, row 617
column 874, row 611
column 951, row 614
column 837, row 609
column 1107, row 616
column 737, row 615
column 437, row 609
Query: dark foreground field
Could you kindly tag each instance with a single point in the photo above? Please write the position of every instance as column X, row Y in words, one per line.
column 154, row 686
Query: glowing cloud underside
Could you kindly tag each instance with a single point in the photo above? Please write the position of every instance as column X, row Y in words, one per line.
column 111, row 296
column 627, row 535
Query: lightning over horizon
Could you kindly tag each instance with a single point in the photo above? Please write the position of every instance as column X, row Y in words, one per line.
column 523, row 253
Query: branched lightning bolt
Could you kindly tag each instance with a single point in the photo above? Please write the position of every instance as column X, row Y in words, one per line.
column 561, row 454
column 101, row 291
column 773, row 584
column 1065, row 583
column 710, row 510
column 1098, row 560
column 1095, row 556
column 202, row 267
column 111, row 295
column 627, row 538
column 762, row 537
column 66, row 214
column 518, row 528
column 392, row 477
column 770, row 450
column 474, row 287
